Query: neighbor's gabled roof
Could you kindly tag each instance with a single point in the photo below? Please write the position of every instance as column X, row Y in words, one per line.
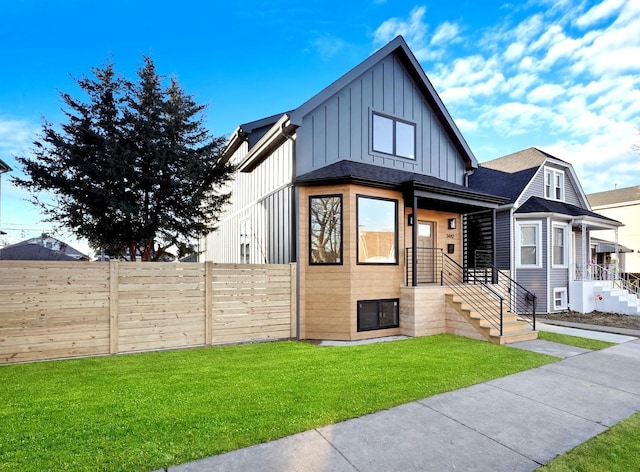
column 611, row 197
column 399, row 47
column 510, row 175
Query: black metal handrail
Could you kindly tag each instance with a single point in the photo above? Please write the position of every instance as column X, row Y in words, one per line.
column 434, row 266
column 520, row 301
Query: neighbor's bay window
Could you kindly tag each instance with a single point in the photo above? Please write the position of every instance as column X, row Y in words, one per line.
column 394, row 136
column 560, row 245
column 377, row 230
column 529, row 251
column 325, row 229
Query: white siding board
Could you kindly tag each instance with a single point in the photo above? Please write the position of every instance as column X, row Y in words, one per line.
column 251, row 197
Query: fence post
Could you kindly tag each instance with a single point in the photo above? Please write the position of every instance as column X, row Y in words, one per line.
column 114, row 327
column 208, row 303
column 293, row 300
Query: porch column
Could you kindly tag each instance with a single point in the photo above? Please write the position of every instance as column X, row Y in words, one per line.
column 584, row 252
column 414, row 242
column 616, row 273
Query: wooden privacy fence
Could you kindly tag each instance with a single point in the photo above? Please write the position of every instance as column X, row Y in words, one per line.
column 52, row 310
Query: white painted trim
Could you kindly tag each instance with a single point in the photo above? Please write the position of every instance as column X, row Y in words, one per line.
column 539, row 245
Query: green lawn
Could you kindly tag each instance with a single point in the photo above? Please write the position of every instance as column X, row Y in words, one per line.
column 146, row 411
column 616, row 449
column 577, row 341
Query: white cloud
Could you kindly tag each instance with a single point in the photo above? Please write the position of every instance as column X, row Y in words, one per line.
column 414, row 29
column 545, row 93
column 599, row 12
column 15, row 135
column 564, row 78
column 514, row 52
column 328, row 46
column 445, row 33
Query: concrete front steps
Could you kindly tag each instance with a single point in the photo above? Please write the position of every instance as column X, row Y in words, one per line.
column 612, row 299
column 514, row 329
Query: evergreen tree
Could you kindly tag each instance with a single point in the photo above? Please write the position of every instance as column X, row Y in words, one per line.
column 133, row 169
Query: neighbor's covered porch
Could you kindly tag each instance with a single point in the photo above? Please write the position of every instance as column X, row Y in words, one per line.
column 597, row 271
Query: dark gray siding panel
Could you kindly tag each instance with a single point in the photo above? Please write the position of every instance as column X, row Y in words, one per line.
column 535, row 281
column 503, row 240
column 340, row 127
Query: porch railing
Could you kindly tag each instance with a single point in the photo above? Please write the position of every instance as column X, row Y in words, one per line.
column 436, row 267
column 519, row 300
column 610, row 272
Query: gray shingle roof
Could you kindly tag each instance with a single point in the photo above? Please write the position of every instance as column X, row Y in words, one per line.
column 518, row 161
column 609, row 197
column 542, row 205
column 374, row 175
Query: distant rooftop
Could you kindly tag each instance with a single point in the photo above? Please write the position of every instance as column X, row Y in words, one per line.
column 610, row 197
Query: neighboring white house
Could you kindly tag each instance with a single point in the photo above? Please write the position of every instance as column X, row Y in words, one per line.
column 622, row 204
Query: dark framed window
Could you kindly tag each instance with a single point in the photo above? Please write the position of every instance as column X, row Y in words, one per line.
column 325, row 229
column 393, row 136
column 378, row 314
column 377, row 230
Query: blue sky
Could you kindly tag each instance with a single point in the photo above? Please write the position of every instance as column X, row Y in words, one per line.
column 562, row 75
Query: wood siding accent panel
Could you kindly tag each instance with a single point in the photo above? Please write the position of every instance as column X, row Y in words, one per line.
column 329, row 293
column 67, row 309
column 386, row 88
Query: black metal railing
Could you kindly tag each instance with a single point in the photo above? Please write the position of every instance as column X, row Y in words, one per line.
column 434, row 266
column 518, row 299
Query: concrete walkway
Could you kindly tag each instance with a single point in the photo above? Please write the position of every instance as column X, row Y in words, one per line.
column 515, row 423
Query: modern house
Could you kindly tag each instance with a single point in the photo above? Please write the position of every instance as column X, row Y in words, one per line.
column 365, row 187
column 544, row 234
column 622, row 204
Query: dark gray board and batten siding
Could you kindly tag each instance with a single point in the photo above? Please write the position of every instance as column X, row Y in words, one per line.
column 340, row 127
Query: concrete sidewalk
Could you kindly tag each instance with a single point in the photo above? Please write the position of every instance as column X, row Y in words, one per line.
column 515, row 423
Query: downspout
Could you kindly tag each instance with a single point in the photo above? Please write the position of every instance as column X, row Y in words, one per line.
column 294, row 247
column 414, row 241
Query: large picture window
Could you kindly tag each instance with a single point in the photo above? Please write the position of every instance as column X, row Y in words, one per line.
column 528, row 253
column 377, row 231
column 325, row 229
column 378, row 314
column 394, row 136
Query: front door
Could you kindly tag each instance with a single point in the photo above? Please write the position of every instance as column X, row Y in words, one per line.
column 426, row 252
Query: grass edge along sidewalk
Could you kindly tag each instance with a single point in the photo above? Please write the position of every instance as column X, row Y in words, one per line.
column 148, row 411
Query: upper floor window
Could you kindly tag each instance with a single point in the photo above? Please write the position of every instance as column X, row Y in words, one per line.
column 377, row 230
column 325, row 229
column 554, row 184
column 394, row 136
